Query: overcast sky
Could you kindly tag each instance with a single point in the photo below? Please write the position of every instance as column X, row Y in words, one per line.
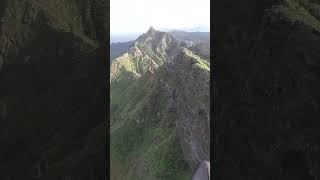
column 136, row 16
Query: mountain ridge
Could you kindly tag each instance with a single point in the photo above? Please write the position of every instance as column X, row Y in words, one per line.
column 145, row 104
column 197, row 41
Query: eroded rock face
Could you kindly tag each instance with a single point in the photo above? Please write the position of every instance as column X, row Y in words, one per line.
column 194, row 123
column 266, row 101
column 190, row 101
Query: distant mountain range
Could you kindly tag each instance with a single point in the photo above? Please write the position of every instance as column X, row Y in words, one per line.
column 190, row 29
column 116, row 49
column 123, row 38
column 159, row 108
column 116, row 38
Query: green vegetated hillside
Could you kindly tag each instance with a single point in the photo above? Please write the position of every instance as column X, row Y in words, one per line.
column 159, row 109
column 52, row 98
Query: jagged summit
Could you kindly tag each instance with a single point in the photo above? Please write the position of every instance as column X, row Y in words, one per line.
column 151, row 29
column 150, row 51
column 151, row 32
column 154, row 35
column 147, row 53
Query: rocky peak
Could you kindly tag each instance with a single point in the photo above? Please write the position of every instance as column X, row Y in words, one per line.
column 151, row 30
column 153, row 35
column 159, row 46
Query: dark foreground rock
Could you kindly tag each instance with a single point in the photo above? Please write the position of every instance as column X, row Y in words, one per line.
column 52, row 89
column 266, row 99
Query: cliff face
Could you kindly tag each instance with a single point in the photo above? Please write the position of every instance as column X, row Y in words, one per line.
column 190, row 103
column 53, row 114
column 266, row 100
column 159, row 109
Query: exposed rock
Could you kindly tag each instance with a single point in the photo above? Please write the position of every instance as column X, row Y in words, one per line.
column 192, row 105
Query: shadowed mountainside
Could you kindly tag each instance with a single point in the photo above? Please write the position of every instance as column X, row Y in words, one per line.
column 266, row 99
column 52, row 97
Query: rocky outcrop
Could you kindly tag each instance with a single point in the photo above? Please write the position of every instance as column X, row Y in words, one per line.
column 191, row 103
column 265, row 99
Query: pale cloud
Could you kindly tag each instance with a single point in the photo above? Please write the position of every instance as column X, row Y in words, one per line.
column 136, row 16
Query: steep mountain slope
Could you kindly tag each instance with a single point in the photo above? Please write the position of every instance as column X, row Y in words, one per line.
column 52, row 112
column 266, row 98
column 159, row 110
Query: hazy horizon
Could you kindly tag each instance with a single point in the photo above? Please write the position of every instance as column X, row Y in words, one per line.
column 129, row 17
column 133, row 36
